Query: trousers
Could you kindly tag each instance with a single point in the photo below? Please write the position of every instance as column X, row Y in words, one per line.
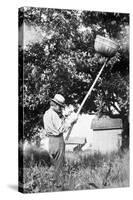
column 57, row 154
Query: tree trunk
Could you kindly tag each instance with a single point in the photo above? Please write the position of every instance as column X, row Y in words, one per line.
column 125, row 133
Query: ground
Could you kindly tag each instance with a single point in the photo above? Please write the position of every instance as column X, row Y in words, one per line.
column 82, row 171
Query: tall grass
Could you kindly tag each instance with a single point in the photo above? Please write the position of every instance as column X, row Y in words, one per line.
column 82, row 170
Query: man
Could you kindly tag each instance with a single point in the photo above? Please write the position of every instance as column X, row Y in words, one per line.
column 55, row 125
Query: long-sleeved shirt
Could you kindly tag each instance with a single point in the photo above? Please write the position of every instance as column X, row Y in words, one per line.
column 53, row 124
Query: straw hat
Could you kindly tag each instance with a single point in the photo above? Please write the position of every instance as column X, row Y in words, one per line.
column 59, row 99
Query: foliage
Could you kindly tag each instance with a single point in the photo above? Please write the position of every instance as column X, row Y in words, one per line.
column 82, row 171
column 65, row 62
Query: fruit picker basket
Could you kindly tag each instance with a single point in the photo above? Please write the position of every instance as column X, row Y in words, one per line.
column 105, row 46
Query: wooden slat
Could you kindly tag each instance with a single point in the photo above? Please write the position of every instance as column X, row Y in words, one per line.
column 106, row 123
column 76, row 140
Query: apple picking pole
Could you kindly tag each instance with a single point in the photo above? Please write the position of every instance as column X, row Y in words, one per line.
column 85, row 98
column 91, row 88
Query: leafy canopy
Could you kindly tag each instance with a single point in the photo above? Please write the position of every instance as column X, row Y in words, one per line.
column 64, row 61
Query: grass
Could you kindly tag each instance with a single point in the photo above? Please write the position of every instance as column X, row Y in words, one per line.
column 82, row 171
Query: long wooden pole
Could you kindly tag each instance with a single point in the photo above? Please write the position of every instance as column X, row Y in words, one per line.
column 85, row 98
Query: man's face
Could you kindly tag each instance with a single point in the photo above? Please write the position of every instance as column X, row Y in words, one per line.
column 58, row 108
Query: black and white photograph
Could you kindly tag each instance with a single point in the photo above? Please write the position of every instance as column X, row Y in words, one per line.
column 73, row 92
